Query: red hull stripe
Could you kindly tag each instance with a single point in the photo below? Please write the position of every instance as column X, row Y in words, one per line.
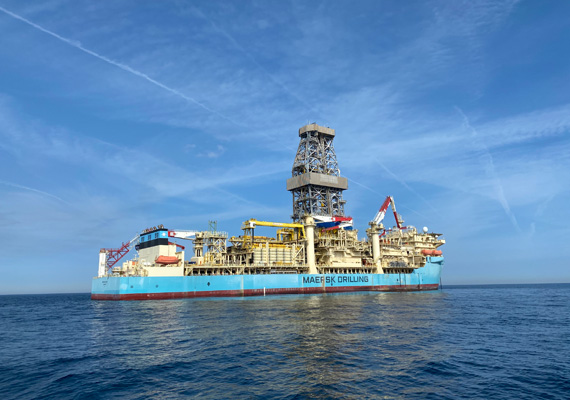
column 261, row 292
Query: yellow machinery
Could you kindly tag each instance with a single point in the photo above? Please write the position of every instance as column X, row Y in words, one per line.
column 287, row 248
column 299, row 229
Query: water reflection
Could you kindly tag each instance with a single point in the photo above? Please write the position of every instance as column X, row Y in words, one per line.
column 344, row 340
column 322, row 345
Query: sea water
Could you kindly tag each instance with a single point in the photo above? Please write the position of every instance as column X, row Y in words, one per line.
column 508, row 342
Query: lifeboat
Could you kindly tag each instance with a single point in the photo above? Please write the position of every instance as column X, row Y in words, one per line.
column 167, row 260
column 428, row 252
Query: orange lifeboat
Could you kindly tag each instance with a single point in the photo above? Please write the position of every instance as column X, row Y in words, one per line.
column 429, row 252
column 166, row 260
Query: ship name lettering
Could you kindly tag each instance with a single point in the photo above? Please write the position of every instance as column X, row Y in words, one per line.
column 319, row 279
column 334, row 279
column 352, row 279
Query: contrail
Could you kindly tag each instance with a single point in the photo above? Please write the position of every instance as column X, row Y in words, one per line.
column 365, row 187
column 124, row 67
column 490, row 166
column 35, row 191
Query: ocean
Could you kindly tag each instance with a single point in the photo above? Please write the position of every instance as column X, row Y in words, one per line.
column 478, row 342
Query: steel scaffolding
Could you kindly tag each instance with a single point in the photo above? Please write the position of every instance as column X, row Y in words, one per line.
column 316, row 183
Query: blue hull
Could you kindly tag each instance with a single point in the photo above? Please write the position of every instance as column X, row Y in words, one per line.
column 144, row 288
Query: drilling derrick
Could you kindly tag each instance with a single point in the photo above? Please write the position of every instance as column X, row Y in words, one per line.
column 316, row 183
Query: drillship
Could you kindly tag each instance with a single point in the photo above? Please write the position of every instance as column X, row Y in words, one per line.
column 318, row 252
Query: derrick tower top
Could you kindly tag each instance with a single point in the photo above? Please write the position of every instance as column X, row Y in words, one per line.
column 316, row 183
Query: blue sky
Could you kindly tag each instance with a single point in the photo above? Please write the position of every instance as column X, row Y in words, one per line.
column 116, row 116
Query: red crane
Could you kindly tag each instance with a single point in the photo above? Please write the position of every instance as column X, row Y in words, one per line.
column 382, row 212
column 114, row 255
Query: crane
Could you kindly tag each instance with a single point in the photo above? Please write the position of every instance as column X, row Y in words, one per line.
column 109, row 257
column 382, row 212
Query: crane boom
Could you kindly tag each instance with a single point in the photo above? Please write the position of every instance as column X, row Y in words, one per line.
column 382, row 213
column 112, row 256
column 397, row 217
column 182, row 234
